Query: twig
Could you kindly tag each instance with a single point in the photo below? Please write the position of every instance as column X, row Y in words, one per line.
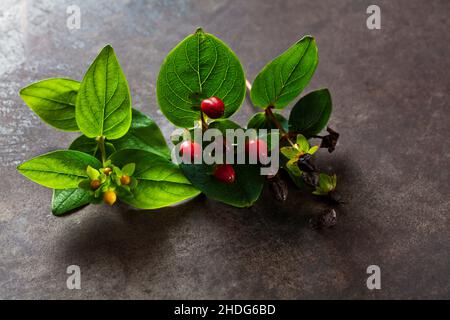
column 249, row 85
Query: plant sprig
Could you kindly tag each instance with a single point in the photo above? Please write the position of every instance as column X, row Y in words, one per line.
column 122, row 154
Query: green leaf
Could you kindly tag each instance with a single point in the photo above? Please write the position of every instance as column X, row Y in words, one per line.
column 90, row 146
column 53, row 100
column 117, row 171
column 104, row 102
column 92, row 173
column 291, row 165
column 313, row 150
column 160, row 182
column 260, row 121
column 289, row 152
column 62, row 169
column 311, row 113
column 327, row 183
column 245, row 190
column 199, row 67
column 129, row 169
column 302, row 143
column 294, row 172
column 283, row 79
column 144, row 134
column 67, row 200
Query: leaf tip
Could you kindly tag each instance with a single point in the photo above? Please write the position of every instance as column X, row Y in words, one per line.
column 20, row 167
column 21, row 91
column 199, row 31
column 309, row 37
column 108, row 49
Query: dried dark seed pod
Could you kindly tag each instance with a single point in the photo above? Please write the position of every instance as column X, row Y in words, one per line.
column 325, row 220
column 311, row 178
column 279, row 188
column 335, row 196
column 304, row 163
column 329, row 141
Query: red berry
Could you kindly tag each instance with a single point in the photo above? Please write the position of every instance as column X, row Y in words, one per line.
column 213, row 107
column 256, row 148
column 192, row 149
column 225, row 173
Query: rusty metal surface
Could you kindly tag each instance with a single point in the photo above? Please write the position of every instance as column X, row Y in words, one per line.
column 390, row 91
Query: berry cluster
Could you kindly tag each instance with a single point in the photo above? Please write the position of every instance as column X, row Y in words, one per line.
column 214, row 108
column 105, row 183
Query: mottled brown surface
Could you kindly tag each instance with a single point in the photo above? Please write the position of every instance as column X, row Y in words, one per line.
column 389, row 89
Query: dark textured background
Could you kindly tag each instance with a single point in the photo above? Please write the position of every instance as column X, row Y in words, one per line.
column 389, row 89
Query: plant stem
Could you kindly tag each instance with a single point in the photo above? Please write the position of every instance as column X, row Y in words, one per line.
column 249, row 85
column 204, row 124
column 101, row 146
column 271, row 116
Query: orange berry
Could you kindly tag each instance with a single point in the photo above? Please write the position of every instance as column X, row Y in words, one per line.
column 125, row 180
column 109, row 197
column 107, row 171
column 95, row 184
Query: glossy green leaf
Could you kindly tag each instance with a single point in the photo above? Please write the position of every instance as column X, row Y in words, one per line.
column 199, row 67
column 90, row 146
column 160, row 182
column 68, row 200
column 311, row 113
column 53, row 100
column 144, row 134
column 242, row 193
column 62, row 169
column 103, row 106
column 260, row 121
column 283, row 79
